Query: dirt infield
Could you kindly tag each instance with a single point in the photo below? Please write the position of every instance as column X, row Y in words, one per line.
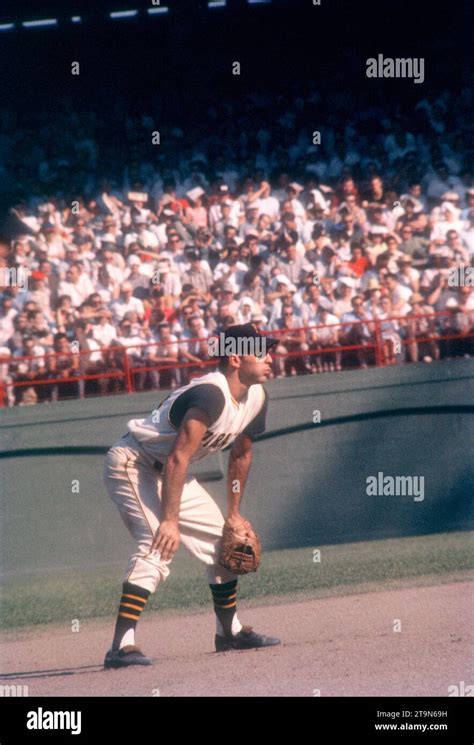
column 337, row 646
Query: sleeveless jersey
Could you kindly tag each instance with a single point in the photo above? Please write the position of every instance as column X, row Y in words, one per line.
column 157, row 432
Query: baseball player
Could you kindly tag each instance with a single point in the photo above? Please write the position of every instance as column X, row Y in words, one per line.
column 146, row 477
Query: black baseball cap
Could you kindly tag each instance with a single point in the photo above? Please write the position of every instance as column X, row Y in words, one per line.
column 245, row 331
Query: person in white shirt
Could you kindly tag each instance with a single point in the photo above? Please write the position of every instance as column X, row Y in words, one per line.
column 293, row 264
column 7, row 316
column 376, row 244
column 390, row 333
column 77, row 285
column 266, row 203
column 420, row 324
column 289, row 217
column 398, row 293
column 281, row 290
column 359, row 333
column 23, row 254
column 408, row 275
column 292, row 339
column 415, row 194
column 133, row 349
column 161, row 230
column 450, row 220
column 139, row 280
column 325, row 337
column 250, row 224
column 40, row 294
column 53, row 243
column 293, row 191
column 215, row 212
column 393, row 254
column 127, row 302
column 92, row 363
column 247, row 308
column 319, row 201
column 310, row 306
column 141, row 235
column 103, row 332
column 72, row 255
column 164, row 352
column 106, row 287
column 232, row 270
column 108, row 260
column 226, row 221
column 173, row 250
column 108, row 201
column 169, row 279
column 193, row 346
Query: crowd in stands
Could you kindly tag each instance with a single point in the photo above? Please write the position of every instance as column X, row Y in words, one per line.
column 363, row 241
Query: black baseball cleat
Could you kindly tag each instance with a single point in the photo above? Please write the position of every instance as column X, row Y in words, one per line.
column 245, row 639
column 125, row 657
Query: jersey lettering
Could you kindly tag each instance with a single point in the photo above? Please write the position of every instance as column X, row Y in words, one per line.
column 212, row 441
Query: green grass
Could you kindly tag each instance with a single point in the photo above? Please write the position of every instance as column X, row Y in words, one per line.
column 92, row 593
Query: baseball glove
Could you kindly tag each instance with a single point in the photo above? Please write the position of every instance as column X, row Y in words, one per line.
column 240, row 549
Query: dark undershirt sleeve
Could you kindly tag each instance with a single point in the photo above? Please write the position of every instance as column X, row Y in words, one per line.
column 205, row 396
column 258, row 424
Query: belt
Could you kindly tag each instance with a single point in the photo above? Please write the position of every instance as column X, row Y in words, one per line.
column 157, row 464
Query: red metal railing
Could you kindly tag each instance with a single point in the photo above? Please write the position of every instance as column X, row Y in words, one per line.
column 127, row 369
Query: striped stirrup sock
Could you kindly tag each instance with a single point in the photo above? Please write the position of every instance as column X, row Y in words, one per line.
column 132, row 603
column 225, row 604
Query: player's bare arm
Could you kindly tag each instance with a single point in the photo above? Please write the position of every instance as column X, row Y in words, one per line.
column 190, row 434
column 240, row 461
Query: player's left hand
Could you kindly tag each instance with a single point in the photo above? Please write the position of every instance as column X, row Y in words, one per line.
column 238, row 522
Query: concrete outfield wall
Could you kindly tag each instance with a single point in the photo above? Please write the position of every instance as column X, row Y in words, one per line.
column 308, row 481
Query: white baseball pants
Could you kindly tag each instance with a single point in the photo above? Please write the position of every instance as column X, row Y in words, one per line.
column 134, row 485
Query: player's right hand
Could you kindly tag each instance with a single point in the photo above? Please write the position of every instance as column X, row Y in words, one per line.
column 166, row 540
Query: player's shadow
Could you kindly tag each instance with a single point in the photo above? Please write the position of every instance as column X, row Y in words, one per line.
column 53, row 673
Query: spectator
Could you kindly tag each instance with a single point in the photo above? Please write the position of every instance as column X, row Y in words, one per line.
column 390, row 333
column 126, row 303
column 196, row 213
column 290, row 342
column 77, row 284
column 325, row 336
column 93, row 363
column 194, row 347
column 420, row 328
column 197, row 275
column 165, row 353
column 358, row 334
column 133, row 349
column 104, row 332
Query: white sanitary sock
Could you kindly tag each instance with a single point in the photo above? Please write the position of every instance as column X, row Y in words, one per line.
column 127, row 638
column 236, row 626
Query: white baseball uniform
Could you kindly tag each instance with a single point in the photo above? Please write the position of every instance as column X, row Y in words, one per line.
column 134, row 465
